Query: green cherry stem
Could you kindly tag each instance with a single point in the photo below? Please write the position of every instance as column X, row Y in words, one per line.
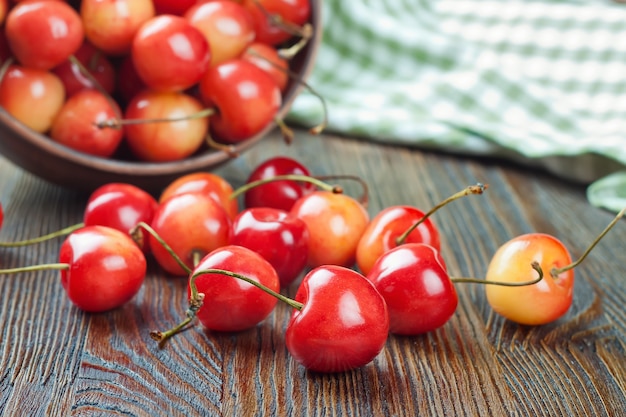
column 555, row 272
column 364, row 199
column 138, row 238
column 119, row 122
column 289, row 177
column 84, row 71
column 196, row 300
column 535, row 265
column 472, row 189
column 35, row 268
column 40, row 239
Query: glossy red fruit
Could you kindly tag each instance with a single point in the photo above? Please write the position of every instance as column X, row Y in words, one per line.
column 193, row 225
column 413, row 280
column 294, row 12
column 267, row 58
column 120, row 206
column 43, row 34
column 1, row 215
column 343, row 324
column 336, row 223
column 386, row 227
column 540, row 303
column 230, row 304
column 276, row 235
column 106, row 268
column 170, row 54
column 280, row 194
column 205, row 183
column 246, row 98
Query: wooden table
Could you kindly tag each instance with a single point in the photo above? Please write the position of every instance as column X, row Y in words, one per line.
column 57, row 361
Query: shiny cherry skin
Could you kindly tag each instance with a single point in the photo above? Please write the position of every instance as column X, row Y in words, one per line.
column 277, row 194
column 193, row 225
column 336, row 222
column 413, row 280
column 170, row 54
column 120, row 206
column 540, row 303
column 386, row 227
column 246, row 98
column 206, row 183
column 343, row 324
column 43, row 34
column 268, row 59
column 106, row 268
column 279, row 237
column 230, row 304
column 295, row 12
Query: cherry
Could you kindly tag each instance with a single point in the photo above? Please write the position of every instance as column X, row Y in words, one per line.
column 32, row 96
column 268, row 59
column 101, row 268
column 276, row 21
column 336, row 223
column 206, row 183
column 277, row 194
column 170, row 54
column 111, row 25
column 42, row 34
column 246, row 97
column 120, row 206
column 227, row 26
column 276, row 235
column 129, row 84
column 343, row 322
column 1, row 215
column 192, row 224
column 76, row 125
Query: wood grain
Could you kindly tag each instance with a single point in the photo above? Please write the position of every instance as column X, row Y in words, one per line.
column 58, row 361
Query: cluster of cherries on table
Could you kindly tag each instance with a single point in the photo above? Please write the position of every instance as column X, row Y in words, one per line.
column 358, row 279
column 100, row 77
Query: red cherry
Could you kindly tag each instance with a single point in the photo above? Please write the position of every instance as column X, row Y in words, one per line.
column 76, row 125
column 43, row 34
column 413, row 280
column 336, row 223
column 105, row 268
column 129, row 84
column 111, row 25
column 177, row 7
column 247, row 99
column 120, row 206
column 206, row 183
column 343, row 323
column 293, row 12
column 170, row 54
column 281, row 194
column 386, row 227
column 231, row 305
column 1, row 215
column 193, row 225
column 267, row 58
column 279, row 237
column 33, row 96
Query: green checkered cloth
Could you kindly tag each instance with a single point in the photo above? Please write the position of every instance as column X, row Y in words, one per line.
column 542, row 82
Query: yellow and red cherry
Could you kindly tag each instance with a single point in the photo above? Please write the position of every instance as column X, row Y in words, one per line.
column 206, row 183
column 279, row 237
column 43, row 34
column 33, row 96
column 226, row 25
column 170, row 54
column 76, row 124
column 245, row 97
column 111, row 25
column 335, row 222
column 192, row 224
column 120, row 206
column 342, row 322
column 280, row 194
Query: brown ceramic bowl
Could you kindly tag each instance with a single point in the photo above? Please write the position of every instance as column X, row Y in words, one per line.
column 59, row 164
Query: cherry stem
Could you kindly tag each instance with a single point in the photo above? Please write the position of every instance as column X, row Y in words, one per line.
column 138, row 238
column 306, row 33
column 535, row 265
column 119, row 122
column 472, row 189
column 277, row 20
column 35, row 268
column 555, row 272
column 227, row 149
column 286, row 131
column 288, row 177
column 5, row 67
column 364, row 199
column 62, row 232
column 96, row 84
column 196, row 300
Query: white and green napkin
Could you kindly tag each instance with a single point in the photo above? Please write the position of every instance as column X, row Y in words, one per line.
column 542, row 82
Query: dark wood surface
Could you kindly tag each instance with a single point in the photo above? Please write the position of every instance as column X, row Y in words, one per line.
column 57, row 361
